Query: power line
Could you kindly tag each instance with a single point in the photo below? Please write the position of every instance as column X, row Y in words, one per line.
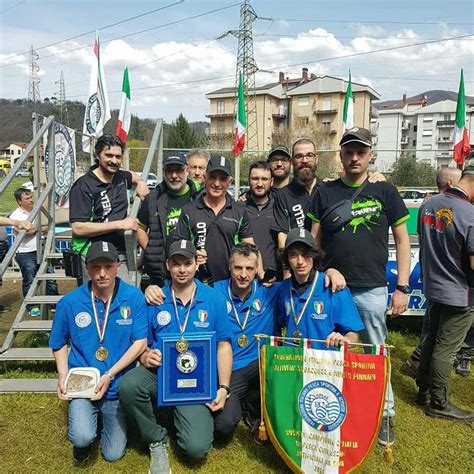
column 132, row 34
column 320, row 20
column 100, row 28
column 332, row 35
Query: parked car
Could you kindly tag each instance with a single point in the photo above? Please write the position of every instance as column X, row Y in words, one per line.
column 23, row 172
column 152, row 180
column 414, row 197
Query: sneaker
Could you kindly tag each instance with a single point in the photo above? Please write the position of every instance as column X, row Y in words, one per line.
column 81, row 454
column 159, row 461
column 410, row 367
column 253, row 424
column 4, row 309
column 423, row 397
column 462, row 366
column 386, row 433
column 450, row 412
column 35, row 312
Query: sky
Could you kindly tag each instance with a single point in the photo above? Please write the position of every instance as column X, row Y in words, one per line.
column 177, row 51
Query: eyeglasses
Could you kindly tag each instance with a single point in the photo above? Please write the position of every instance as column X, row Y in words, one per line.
column 254, row 179
column 300, row 156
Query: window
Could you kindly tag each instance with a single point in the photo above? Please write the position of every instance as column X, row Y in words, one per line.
column 447, row 117
column 427, row 133
column 415, row 128
column 220, row 107
column 413, row 143
column 427, row 146
column 326, row 123
column 303, row 100
column 302, row 121
column 327, row 102
column 427, row 118
column 269, row 122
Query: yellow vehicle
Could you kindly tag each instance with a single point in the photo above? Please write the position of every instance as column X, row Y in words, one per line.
column 5, row 166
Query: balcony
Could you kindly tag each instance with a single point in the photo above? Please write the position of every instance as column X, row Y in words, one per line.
column 280, row 113
column 220, row 115
column 445, row 123
column 325, row 112
column 443, row 154
column 445, row 139
column 404, row 141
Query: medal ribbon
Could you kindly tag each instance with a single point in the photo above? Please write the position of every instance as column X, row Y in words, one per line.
column 234, row 310
column 100, row 329
column 182, row 327
column 297, row 319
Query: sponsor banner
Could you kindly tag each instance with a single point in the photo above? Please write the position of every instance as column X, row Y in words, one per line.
column 313, row 411
column 416, row 299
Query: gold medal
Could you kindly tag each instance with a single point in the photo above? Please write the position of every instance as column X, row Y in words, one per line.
column 243, row 341
column 297, row 334
column 182, row 346
column 101, row 353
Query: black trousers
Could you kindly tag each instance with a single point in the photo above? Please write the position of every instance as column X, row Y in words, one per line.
column 241, row 382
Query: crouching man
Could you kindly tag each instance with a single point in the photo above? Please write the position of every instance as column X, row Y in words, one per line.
column 189, row 307
column 105, row 323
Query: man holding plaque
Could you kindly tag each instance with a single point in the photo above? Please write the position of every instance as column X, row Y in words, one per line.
column 189, row 308
column 251, row 310
column 105, row 323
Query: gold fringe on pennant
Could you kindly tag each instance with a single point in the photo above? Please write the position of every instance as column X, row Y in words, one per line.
column 262, row 432
column 388, row 456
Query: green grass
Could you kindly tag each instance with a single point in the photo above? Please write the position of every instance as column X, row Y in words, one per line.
column 8, row 203
column 34, row 429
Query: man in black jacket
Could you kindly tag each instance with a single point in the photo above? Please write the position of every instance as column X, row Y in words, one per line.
column 160, row 213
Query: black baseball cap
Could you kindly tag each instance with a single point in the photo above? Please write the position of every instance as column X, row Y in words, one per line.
column 219, row 163
column 301, row 236
column 182, row 247
column 102, row 249
column 357, row 135
column 175, row 160
column 279, row 150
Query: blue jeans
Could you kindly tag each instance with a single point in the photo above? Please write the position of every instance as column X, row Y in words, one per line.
column 29, row 268
column 83, row 422
column 372, row 306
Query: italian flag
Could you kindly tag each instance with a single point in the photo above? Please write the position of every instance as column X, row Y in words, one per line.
column 97, row 112
column 241, row 121
column 348, row 116
column 123, row 124
column 313, row 410
column 462, row 149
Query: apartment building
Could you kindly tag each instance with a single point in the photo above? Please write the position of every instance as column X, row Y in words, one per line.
column 291, row 105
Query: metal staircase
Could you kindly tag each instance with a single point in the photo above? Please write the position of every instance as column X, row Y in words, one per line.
column 47, row 257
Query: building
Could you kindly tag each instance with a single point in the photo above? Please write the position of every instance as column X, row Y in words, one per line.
column 13, row 151
column 291, row 105
column 418, row 127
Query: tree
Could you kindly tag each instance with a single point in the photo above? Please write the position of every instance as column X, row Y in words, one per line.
column 409, row 172
column 181, row 135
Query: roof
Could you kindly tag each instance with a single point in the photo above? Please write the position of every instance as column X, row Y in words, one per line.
column 273, row 88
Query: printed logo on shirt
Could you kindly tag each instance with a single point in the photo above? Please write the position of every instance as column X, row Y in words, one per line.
column 202, row 316
column 318, row 307
column 319, row 316
column 163, row 318
column 125, row 312
column 83, row 320
column 365, row 212
column 440, row 220
column 299, row 214
column 106, row 205
column 257, row 305
column 231, row 219
column 201, row 232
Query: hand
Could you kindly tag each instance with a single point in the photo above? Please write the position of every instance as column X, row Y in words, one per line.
column 376, row 177
column 219, row 402
column 151, row 358
column 399, row 303
column 101, row 387
column 201, row 257
column 20, row 225
column 129, row 223
column 270, row 282
column 154, row 295
column 142, row 189
column 61, row 389
column 336, row 339
column 335, row 279
column 242, row 197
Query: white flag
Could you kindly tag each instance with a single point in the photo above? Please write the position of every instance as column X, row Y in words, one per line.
column 97, row 107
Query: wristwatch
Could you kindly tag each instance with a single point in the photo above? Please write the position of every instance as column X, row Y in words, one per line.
column 110, row 374
column 226, row 388
column 404, row 289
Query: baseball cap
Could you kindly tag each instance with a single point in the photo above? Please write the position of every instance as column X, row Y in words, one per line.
column 219, row 163
column 102, row 249
column 469, row 168
column 300, row 235
column 175, row 160
column 279, row 150
column 182, row 247
column 358, row 135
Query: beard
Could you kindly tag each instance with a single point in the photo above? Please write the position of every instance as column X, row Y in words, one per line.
column 305, row 176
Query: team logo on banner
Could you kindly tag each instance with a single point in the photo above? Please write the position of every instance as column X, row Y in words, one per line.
column 318, row 307
column 125, row 312
column 313, row 411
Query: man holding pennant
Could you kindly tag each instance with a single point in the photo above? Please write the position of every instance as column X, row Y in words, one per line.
column 189, row 308
column 97, row 112
column 105, row 323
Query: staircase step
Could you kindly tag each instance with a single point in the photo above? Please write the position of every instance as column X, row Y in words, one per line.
column 28, row 385
column 54, row 276
column 41, row 325
column 44, row 299
column 54, row 255
column 27, row 353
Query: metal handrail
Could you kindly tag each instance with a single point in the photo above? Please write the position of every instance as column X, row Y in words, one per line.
column 129, row 235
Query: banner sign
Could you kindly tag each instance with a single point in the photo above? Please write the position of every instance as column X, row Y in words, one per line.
column 416, row 299
column 64, row 160
column 322, row 408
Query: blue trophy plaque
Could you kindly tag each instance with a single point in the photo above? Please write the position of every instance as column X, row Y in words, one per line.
column 190, row 377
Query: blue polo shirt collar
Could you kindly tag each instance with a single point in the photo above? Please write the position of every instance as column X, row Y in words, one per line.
column 199, row 298
column 118, row 298
column 319, row 288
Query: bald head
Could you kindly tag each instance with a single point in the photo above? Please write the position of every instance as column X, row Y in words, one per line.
column 447, row 178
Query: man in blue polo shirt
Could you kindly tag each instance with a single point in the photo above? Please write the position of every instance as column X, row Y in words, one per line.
column 306, row 307
column 189, row 307
column 105, row 323
column 251, row 310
